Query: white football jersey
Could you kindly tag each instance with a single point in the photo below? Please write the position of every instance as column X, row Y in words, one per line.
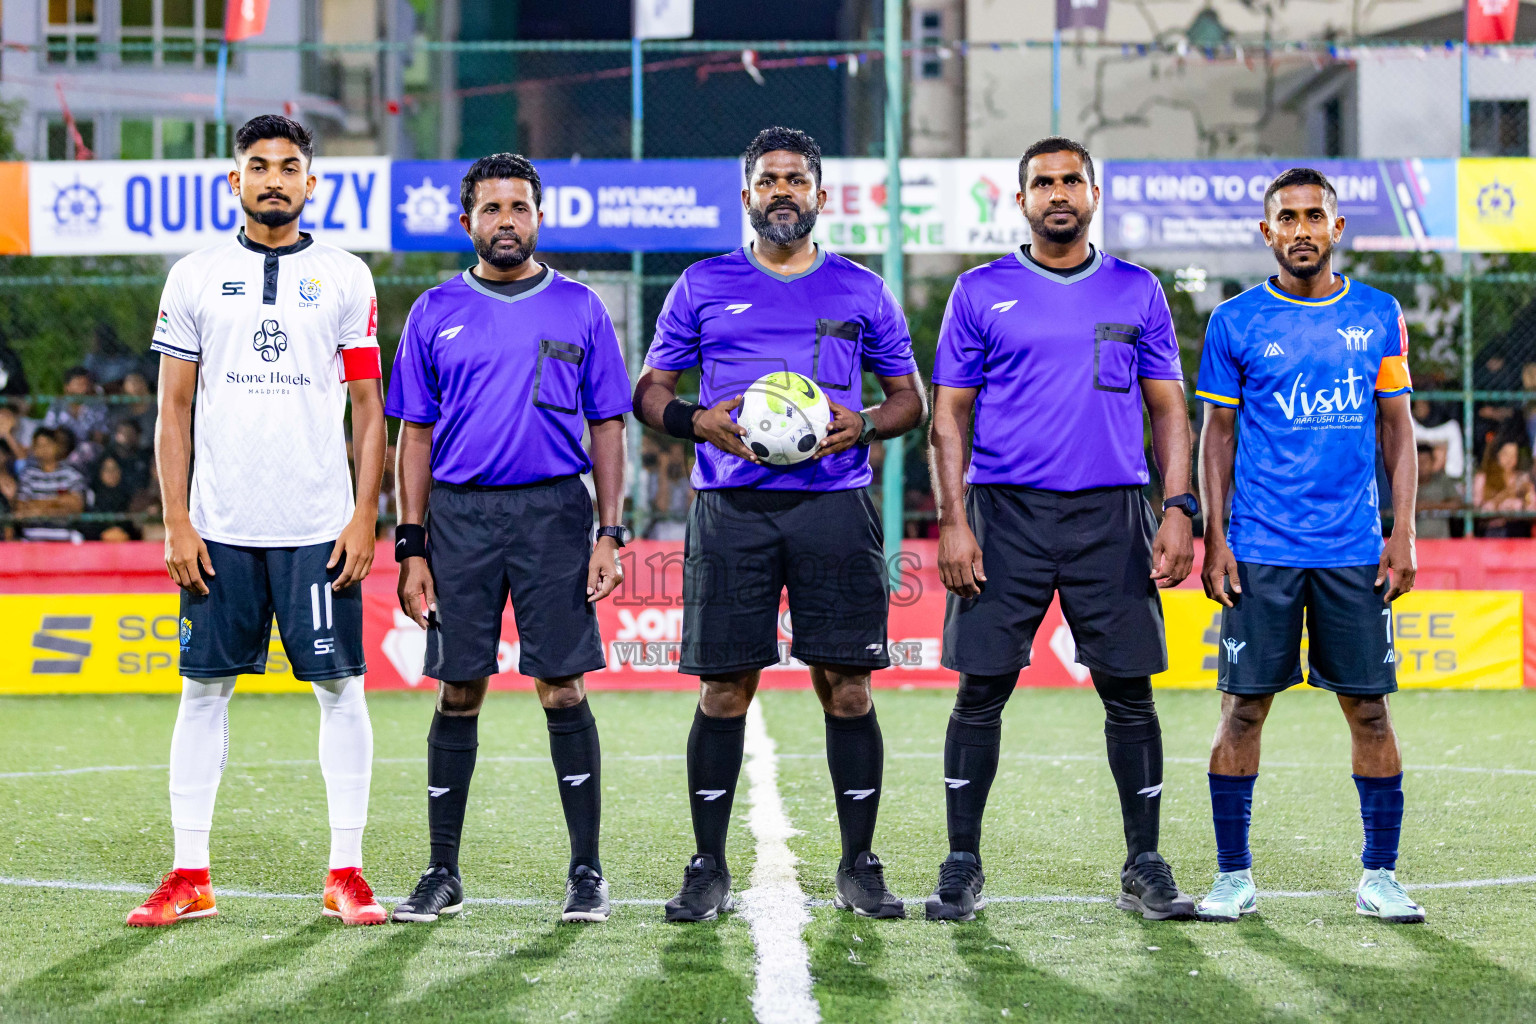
column 276, row 334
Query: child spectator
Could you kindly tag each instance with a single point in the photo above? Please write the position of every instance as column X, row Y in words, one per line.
column 49, row 491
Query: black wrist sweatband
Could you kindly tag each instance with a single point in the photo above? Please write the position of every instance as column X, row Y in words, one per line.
column 677, row 419
column 410, row 541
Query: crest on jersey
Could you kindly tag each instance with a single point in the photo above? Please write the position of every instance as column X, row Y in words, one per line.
column 270, row 341
column 186, row 632
column 309, row 290
column 1355, row 338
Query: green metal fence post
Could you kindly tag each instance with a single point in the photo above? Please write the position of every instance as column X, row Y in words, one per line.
column 634, row 297
column 892, row 477
column 1467, row 409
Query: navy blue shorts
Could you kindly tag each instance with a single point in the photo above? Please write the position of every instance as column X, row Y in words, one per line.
column 744, row 547
column 1349, row 632
column 228, row 632
column 531, row 544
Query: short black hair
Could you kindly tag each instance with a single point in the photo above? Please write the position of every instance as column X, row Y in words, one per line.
column 274, row 126
column 791, row 139
column 1301, row 176
column 1055, row 144
column 77, row 371
column 495, row 167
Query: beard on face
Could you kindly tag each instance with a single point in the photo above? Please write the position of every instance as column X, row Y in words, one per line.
column 1060, row 235
column 273, row 218
column 780, row 232
column 1304, row 271
column 505, row 259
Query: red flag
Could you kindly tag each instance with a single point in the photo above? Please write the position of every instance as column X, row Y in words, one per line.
column 244, row 18
column 1491, row 21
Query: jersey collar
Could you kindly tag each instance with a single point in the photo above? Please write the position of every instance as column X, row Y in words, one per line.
column 1086, row 272
column 474, row 282
column 304, row 242
column 821, row 257
column 1328, row 300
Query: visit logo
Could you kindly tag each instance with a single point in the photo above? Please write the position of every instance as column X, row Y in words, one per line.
column 1304, row 407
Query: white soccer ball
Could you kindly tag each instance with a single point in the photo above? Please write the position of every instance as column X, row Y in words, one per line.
column 786, row 416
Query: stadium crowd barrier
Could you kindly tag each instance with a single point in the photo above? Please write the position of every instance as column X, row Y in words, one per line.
column 103, row 618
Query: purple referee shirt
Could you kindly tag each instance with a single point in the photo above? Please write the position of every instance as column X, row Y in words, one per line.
column 508, row 381
column 1057, row 360
column 737, row 320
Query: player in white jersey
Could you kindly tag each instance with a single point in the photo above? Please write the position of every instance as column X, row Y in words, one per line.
column 270, row 332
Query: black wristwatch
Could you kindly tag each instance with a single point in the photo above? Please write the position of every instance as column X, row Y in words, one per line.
column 867, row 435
column 1186, row 503
column 622, row 534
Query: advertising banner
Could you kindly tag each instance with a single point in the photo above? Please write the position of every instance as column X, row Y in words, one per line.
column 15, row 238
column 97, row 207
column 588, row 205
column 1497, row 204
column 948, row 206
column 128, row 643
column 1217, row 204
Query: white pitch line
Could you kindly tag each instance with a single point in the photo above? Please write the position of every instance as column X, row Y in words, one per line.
column 775, row 906
column 509, row 759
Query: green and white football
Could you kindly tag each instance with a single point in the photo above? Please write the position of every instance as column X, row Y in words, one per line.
column 786, row 416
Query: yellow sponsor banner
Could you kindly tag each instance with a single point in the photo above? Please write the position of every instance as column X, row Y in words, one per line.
column 106, row 643
column 1496, row 204
column 1452, row 639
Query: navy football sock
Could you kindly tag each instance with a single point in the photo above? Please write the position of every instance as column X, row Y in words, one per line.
column 1231, row 809
column 1381, row 811
column 578, row 759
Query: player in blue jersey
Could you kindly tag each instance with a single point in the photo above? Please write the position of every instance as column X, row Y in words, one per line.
column 1305, row 364
column 782, row 303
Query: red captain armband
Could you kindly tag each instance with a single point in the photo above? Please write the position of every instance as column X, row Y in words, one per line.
column 361, row 363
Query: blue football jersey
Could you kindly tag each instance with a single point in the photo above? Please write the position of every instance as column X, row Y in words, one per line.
column 1304, row 375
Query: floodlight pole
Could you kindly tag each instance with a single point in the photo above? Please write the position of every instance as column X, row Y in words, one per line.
column 221, row 82
column 892, row 476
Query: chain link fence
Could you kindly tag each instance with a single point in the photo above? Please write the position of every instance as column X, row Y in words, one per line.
column 1472, row 319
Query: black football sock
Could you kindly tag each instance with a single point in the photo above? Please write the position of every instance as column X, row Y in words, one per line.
column 714, row 762
column 578, row 759
column 971, row 750
column 451, row 745
column 856, row 759
column 1134, row 739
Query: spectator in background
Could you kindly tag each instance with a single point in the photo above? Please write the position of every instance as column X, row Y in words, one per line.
column 109, row 493
column 7, row 498
column 1441, row 433
column 1493, row 418
column 13, row 377
column 109, row 360
column 127, row 447
column 142, row 413
column 13, row 442
column 49, row 491
column 1528, row 383
column 1437, row 493
column 80, row 412
column 1501, row 486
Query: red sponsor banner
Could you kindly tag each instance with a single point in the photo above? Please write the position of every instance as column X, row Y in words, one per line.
column 1491, row 21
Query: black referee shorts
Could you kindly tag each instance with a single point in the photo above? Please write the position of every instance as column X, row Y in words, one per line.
column 744, row 546
column 1093, row 547
column 1349, row 632
column 531, row 543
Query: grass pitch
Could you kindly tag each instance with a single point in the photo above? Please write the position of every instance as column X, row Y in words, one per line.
column 1052, row 831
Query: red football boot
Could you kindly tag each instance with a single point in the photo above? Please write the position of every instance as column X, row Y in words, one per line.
column 348, row 897
column 184, row 893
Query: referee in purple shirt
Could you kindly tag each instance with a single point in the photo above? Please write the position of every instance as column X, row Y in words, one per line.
column 782, row 303
column 1056, row 348
column 499, row 372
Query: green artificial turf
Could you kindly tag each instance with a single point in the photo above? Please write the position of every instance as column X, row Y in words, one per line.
column 1052, row 830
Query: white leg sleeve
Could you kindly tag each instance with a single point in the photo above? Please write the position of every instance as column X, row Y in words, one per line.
column 346, row 755
column 199, row 751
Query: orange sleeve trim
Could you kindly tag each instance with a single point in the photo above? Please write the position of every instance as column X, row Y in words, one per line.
column 1393, row 375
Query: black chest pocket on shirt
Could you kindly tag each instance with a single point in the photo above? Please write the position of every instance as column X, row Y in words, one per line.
column 837, row 347
column 1114, row 356
column 557, row 378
